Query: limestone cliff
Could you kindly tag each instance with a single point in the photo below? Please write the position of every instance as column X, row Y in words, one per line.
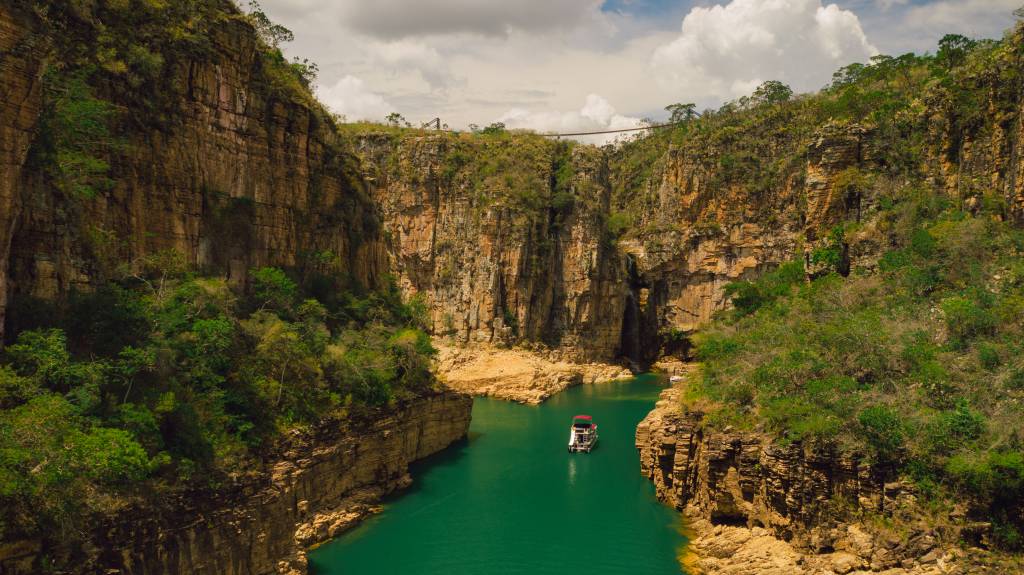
column 322, row 483
column 497, row 254
column 759, row 507
column 20, row 103
column 235, row 174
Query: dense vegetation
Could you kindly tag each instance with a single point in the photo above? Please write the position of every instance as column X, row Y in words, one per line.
column 160, row 378
column 916, row 365
column 165, row 379
column 752, row 148
column 912, row 358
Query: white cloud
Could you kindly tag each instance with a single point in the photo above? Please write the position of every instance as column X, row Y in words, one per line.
column 968, row 17
column 725, row 51
column 413, row 56
column 472, row 61
column 916, row 27
column 402, row 18
column 596, row 115
column 351, row 98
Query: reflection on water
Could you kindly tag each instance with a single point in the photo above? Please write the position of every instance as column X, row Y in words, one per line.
column 511, row 500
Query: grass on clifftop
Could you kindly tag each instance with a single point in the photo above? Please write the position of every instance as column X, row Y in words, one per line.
column 919, row 365
column 915, row 359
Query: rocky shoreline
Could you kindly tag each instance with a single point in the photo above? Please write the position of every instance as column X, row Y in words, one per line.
column 754, row 508
column 325, row 482
column 517, row 374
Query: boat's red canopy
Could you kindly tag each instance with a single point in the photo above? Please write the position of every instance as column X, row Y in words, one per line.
column 587, row 417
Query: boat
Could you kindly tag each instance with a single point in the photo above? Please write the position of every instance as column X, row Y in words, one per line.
column 582, row 434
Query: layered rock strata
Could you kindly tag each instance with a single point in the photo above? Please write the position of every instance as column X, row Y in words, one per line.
column 755, row 507
column 20, row 106
column 325, row 482
column 498, row 262
column 238, row 176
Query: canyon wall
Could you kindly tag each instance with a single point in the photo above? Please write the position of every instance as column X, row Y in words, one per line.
column 506, row 237
column 695, row 233
column 323, row 482
column 761, row 508
column 502, row 259
column 232, row 175
column 20, row 104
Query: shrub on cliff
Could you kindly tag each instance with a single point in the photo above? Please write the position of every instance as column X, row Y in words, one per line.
column 904, row 366
column 202, row 381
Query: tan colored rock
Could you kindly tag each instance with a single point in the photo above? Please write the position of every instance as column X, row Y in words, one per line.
column 20, row 105
column 488, row 273
column 239, row 178
column 755, row 508
column 516, row 374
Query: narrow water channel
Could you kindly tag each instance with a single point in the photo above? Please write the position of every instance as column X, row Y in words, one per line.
column 511, row 500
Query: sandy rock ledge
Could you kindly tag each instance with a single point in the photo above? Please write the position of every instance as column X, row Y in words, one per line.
column 516, row 374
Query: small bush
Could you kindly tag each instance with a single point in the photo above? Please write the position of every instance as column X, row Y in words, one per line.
column 966, row 319
column 747, row 297
column 955, row 429
column 988, row 356
column 882, row 429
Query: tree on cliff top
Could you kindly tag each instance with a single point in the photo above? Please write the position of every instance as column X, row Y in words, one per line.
column 270, row 32
column 681, row 112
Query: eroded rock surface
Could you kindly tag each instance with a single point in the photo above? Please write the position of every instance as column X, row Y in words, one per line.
column 517, row 374
column 325, row 482
column 758, row 508
column 491, row 269
column 20, row 106
column 237, row 176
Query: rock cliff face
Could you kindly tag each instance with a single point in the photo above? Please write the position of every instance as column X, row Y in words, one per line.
column 744, row 479
column 696, row 233
column 494, row 270
column 237, row 176
column 20, row 103
column 491, row 267
column 324, row 483
column 760, row 508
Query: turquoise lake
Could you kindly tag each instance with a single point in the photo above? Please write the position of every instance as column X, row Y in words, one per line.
column 511, row 500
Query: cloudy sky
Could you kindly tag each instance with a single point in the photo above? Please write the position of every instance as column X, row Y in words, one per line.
column 568, row 65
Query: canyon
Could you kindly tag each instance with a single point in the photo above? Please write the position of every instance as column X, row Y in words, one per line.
column 507, row 241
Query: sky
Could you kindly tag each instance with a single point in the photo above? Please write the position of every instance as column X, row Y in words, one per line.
column 586, row 65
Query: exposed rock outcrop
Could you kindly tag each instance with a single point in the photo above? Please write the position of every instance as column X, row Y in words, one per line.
column 756, row 507
column 325, row 482
column 493, row 269
column 517, row 374
column 20, row 105
column 237, row 176
column 697, row 234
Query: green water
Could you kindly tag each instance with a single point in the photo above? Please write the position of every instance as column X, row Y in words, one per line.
column 510, row 499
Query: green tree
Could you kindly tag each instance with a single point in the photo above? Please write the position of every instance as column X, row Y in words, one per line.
column 271, row 33
column 772, row 92
column 953, row 50
column 681, row 113
column 273, row 289
column 397, row 120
